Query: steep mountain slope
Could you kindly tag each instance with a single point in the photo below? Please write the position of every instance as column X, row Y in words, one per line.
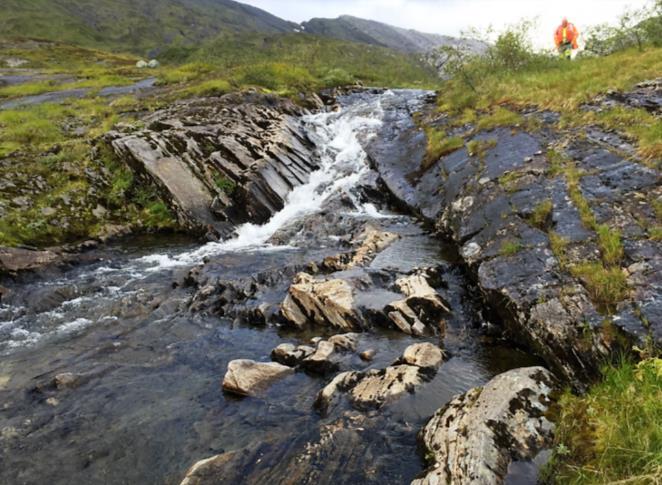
column 370, row 32
column 142, row 26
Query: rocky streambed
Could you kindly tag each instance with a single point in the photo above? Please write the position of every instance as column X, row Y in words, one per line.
column 330, row 335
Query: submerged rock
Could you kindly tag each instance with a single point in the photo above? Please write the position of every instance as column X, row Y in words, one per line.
column 15, row 260
column 476, row 436
column 67, row 380
column 250, row 378
column 370, row 243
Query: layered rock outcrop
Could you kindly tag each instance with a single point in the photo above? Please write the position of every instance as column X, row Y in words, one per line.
column 519, row 221
column 221, row 161
column 332, row 302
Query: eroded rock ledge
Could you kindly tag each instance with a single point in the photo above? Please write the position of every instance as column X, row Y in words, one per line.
column 221, row 161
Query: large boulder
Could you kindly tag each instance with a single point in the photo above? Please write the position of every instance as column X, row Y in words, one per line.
column 250, row 378
column 475, row 437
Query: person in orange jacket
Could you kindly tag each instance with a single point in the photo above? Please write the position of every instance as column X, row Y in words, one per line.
column 566, row 38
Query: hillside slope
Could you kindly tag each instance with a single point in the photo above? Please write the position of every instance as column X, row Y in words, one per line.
column 141, row 27
column 376, row 33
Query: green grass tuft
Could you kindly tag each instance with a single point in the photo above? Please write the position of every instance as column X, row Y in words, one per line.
column 510, row 248
column 498, row 118
column 607, row 286
column 540, row 217
column 439, row 144
column 610, row 244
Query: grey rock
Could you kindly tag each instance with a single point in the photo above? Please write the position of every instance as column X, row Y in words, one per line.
column 255, row 143
column 475, row 437
column 250, row 378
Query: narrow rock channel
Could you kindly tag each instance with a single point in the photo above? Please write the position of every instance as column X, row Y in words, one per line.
column 311, row 345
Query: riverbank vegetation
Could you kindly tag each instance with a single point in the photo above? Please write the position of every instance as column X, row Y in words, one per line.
column 612, row 434
column 512, row 75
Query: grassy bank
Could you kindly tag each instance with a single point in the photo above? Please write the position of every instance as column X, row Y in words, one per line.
column 562, row 86
column 612, row 434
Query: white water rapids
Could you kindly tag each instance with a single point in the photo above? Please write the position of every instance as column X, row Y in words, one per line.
column 343, row 163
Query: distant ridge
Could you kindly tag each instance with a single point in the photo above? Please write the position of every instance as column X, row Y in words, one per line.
column 356, row 29
column 139, row 26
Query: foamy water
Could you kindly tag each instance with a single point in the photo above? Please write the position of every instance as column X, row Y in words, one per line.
column 343, row 163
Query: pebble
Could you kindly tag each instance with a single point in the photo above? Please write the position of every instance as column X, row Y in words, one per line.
column 368, row 355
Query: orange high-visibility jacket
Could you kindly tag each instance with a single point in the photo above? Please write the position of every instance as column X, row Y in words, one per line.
column 567, row 34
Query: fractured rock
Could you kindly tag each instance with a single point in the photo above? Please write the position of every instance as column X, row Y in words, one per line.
column 325, row 302
column 422, row 308
column 475, row 437
column 250, row 378
column 377, row 387
column 221, row 161
column 372, row 241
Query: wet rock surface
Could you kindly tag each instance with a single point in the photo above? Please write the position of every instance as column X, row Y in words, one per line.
column 377, row 387
column 15, row 260
column 222, row 161
column 475, row 437
column 486, row 204
column 646, row 95
column 250, row 378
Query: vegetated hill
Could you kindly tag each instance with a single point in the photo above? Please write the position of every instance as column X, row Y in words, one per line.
column 376, row 33
column 138, row 26
column 306, row 61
